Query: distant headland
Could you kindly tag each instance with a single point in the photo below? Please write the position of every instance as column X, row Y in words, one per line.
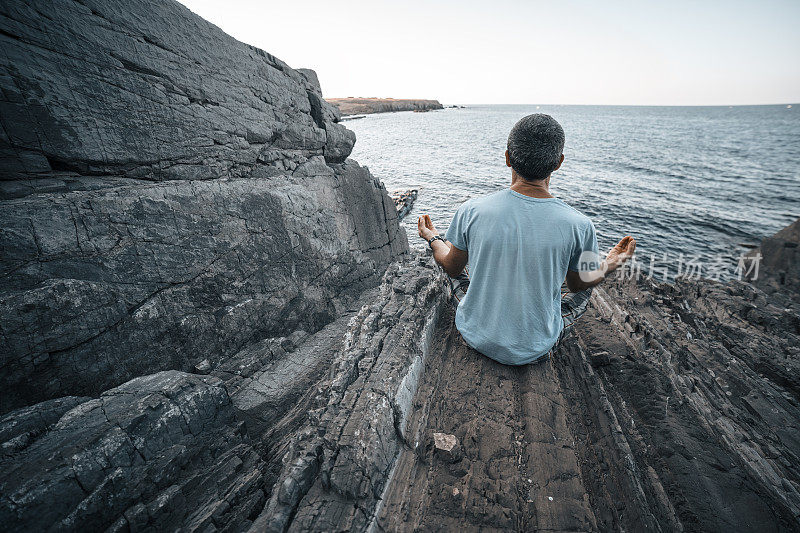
column 364, row 106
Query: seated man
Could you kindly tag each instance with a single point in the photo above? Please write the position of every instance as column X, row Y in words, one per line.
column 522, row 244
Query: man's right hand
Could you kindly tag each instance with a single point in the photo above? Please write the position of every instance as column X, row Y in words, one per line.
column 426, row 228
column 620, row 253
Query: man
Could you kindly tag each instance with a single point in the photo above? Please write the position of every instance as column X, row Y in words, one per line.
column 522, row 244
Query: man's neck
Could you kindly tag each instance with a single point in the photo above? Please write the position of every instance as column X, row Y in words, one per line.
column 534, row 189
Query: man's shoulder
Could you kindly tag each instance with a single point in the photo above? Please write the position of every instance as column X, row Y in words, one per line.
column 501, row 201
column 575, row 216
column 492, row 197
column 479, row 203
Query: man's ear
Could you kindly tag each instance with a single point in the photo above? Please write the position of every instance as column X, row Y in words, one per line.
column 508, row 159
column 559, row 163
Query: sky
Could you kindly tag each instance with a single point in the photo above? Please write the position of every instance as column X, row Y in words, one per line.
column 641, row 52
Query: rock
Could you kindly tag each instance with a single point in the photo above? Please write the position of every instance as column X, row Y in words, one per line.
column 171, row 195
column 447, row 447
column 599, row 359
column 163, row 451
column 277, row 388
column 365, row 106
column 20, row 428
column 365, row 404
column 311, row 76
column 203, row 367
column 404, row 201
column 703, row 370
column 779, row 269
column 692, row 408
column 167, row 191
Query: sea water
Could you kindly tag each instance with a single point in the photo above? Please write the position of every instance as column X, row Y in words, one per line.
column 690, row 183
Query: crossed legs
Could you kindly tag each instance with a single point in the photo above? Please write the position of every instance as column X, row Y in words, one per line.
column 573, row 304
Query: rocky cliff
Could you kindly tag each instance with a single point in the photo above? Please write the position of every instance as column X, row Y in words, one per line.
column 169, row 195
column 210, row 323
column 365, row 106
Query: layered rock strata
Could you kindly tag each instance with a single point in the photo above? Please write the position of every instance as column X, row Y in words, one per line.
column 169, row 195
column 163, row 451
column 672, row 407
column 311, row 417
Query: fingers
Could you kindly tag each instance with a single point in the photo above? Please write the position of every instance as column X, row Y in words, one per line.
column 623, row 251
column 631, row 246
column 425, row 227
column 626, row 245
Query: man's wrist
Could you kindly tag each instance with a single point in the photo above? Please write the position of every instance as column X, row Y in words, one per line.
column 610, row 265
column 434, row 239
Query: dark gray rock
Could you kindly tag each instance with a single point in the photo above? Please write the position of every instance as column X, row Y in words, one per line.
column 148, row 90
column 20, row 428
column 332, row 479
column 170, row 195
column 268, row 395
column 203, row 367
column 163, row 451
column 779, row 269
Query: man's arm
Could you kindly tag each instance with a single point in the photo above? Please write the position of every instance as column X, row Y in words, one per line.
column 452, row 259
column 576, row 284
column 580, row 281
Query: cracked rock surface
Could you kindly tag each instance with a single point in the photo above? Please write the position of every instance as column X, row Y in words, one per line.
column 670, row 408
column 163, row 450
column 316, row 418
column 174, row 200
column 168, row 195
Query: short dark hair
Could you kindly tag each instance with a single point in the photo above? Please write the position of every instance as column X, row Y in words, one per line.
column 535, row 146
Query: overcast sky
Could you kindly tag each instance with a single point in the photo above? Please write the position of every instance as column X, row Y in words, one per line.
column 672, row 52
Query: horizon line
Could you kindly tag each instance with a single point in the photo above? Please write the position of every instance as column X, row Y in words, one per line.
column 649, row 105
column 444, row 102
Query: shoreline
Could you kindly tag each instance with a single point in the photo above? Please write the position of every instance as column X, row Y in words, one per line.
column 366, row 106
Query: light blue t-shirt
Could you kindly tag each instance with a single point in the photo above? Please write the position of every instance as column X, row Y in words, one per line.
column 520, row 249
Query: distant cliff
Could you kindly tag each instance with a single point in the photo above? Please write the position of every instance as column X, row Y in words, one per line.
column 365, row 106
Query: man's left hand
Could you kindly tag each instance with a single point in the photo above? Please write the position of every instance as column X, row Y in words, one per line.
column 620, row 253
column 426, row 228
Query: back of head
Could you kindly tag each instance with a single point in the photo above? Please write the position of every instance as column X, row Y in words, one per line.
column 535, row 145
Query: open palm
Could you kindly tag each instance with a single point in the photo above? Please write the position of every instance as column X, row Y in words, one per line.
column 426, row 228
column 620, row 253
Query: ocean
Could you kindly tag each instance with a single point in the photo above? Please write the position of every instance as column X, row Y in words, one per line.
column 694, row 185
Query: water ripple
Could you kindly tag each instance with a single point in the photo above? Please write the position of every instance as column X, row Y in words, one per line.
column 691, row 180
